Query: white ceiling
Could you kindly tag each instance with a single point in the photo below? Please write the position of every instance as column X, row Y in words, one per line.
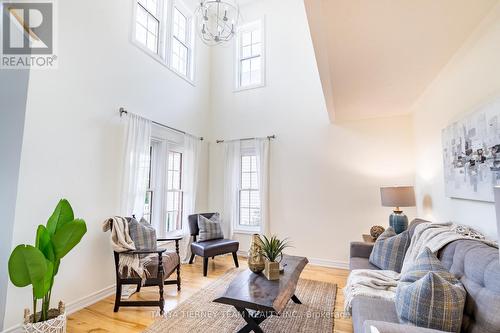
column 376, row 57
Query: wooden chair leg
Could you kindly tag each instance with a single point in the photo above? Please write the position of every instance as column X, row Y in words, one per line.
column 118, row 296
column 205, row 266
column 139, row 285
column 191, row 259
column 179, row 277
column 161, row 281
column 235, row 258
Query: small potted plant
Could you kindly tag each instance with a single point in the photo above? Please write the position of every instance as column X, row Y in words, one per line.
column 38, row 265
column 272, row 250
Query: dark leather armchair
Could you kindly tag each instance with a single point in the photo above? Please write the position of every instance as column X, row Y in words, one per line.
column 211, row 248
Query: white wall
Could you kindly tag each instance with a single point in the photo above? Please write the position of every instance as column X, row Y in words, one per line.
column 470, row 79
column 13, row 92
column 325, row 178
column 73, row 135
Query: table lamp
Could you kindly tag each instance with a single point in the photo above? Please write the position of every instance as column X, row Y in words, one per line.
column 396, row 197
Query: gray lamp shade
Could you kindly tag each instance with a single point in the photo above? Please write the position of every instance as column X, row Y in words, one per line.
column 397, row 196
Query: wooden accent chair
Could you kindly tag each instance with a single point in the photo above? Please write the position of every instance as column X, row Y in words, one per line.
column 159, row 270
column 210, row 248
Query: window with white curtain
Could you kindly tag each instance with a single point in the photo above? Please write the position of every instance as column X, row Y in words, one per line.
column 250, row 64
column 148, row 204
column 163, row 29
column 171, row 216
column 249, row 193
column 174, row 191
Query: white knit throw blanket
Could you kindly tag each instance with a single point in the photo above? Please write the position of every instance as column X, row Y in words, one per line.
column 121, row 242
column 383, row 283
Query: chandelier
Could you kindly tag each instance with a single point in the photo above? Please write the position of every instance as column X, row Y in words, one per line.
column 217, row 20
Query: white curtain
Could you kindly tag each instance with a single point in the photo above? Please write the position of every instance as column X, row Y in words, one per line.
column 232, row 166
column 262, row 152
column 159, row 173
column 190, row 171
column 136, row 166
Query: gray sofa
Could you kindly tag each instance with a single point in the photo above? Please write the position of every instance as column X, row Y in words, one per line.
column 474, row 263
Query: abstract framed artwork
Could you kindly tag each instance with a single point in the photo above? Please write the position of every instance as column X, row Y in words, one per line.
column 471, row 154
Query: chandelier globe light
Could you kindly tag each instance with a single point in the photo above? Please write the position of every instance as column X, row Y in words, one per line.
column 217, row 20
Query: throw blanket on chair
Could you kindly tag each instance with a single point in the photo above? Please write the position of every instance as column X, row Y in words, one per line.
column 383, row 283
column 121, row 242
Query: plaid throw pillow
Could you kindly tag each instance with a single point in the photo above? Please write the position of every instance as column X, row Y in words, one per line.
column 142, row 233
column 209, row 228
column 390, row 249
column 429, row 296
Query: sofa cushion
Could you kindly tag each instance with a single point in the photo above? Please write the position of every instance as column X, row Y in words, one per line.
column 209, row 228
column 170, row 261
column 477, row 266
column 374, row 326
column 361, row 263
column 214, row 247
column 369, row 308
column 390, row 249
column 429, row 296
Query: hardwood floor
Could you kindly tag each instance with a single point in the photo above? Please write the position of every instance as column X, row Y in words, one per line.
column 100, row 318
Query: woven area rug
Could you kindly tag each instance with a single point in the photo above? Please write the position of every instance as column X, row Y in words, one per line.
column 199, row 314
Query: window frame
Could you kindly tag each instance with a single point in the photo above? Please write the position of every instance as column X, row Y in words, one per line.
column 163, row 209
column 180, row 190
column 189, row 44
column 165, row 37
column 251, row 26
column 237, row 226
column 160, row 55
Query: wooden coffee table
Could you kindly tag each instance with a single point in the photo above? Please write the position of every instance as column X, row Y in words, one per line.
column 250, row 291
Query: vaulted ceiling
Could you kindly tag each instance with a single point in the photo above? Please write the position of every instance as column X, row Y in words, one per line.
column 376, row 57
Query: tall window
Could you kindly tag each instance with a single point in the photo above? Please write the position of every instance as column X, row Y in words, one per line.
column 170, row 204
column 250, row 56
column 249, row 210
column 180, row 42
column 174, row 191
column 147, row 28
column 148, row 204
column 164, row 30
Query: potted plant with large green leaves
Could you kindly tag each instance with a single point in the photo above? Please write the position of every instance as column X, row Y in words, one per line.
column 38, row 265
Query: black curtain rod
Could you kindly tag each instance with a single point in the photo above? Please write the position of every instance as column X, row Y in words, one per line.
column 122, row 111
column 246, row 139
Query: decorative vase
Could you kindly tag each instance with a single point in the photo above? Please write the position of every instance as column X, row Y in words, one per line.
column 56, row 323
column 272, row 270
column 255, row 259
column 398, row 221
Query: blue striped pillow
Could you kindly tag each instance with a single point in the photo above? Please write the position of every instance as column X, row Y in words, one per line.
column 430, row 296
column 390, row 249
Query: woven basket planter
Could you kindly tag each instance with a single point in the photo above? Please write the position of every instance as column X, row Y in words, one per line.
column 57, row 323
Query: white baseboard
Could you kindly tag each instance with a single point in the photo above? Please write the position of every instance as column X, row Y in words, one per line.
column 243, row 254
column 329, row 263
column 315, row 261
column 75, row 306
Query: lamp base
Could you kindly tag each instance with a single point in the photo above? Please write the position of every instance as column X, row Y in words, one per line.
column 398, row 221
